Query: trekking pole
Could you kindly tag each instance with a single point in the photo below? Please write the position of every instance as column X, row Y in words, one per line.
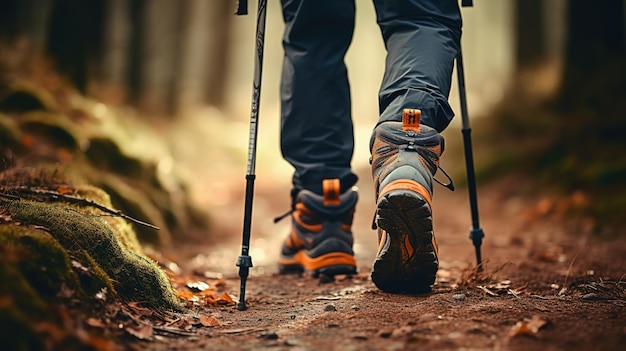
column 244, row 262
column 476, row 233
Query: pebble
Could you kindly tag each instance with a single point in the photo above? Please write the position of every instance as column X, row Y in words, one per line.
column 269, row 336
column 355, row 308
column 385, row 333
column 459, row 297
column 325, row 279
column 330, row 308
column 591, row 296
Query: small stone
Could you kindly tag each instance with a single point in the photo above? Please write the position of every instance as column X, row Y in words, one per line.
column 459, row 297
column 269, row 336
column 325, row 279
column 330, row 308
column 591, row 296
column 385, row 334
column 454, row 335
column 355, row 308
column 293, row 342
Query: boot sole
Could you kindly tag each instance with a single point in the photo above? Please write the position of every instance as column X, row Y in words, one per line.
column 407, row 259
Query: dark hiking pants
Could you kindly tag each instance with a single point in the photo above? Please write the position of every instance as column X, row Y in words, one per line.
column 422, row 39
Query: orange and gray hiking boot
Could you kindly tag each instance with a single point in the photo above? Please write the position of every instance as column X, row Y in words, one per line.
column 405, row 156
column 320, row 242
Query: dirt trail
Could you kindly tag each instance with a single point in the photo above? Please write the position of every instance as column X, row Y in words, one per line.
column 549, row 284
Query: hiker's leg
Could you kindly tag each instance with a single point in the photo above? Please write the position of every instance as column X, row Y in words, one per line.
column 422, row 39
column 316, row 124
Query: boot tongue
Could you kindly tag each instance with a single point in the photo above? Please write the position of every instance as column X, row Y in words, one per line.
column 411, row 120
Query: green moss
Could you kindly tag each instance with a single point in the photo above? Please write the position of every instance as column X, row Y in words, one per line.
column 123, row 230
column 46, row 265
column 19, row 302
column 89, row 238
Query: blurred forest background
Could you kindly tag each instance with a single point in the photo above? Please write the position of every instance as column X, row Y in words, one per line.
column 546, row 82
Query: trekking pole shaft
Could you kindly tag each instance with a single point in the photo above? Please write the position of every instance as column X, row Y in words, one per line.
column 256, row 86
column 244, row 262
column 476, row 233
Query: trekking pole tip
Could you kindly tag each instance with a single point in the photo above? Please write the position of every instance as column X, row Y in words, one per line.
column 244, row 262
column 477, row 235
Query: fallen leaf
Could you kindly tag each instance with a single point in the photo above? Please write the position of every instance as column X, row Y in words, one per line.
column 185, row 323
column 220, row 282
column 528, row 327
column 208, row 294
column 93, row 322
column 225, row 299
column 139, row 310
column 185, row 295
column 198, row 286
column 142, row 332
column 208, row 321
column 64, row 190
column 5, row 218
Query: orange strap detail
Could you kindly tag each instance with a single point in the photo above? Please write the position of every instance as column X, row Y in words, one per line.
column 331, row 188
column 411, row 119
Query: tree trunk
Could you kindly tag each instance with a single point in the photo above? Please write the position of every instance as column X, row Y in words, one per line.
column 75, row 38
column 135, row 58
column 595, row 57
column 203, row 53
column 531, row 37
column 221, row 17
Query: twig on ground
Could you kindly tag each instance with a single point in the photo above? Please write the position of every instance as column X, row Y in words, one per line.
column 75, row 200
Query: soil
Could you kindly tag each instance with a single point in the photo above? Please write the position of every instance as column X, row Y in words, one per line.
column 551, row 281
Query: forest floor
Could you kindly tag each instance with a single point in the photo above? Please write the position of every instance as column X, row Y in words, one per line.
column 551, row 281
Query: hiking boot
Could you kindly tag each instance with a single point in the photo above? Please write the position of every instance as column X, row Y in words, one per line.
column 320, row 242
column 405, row 156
